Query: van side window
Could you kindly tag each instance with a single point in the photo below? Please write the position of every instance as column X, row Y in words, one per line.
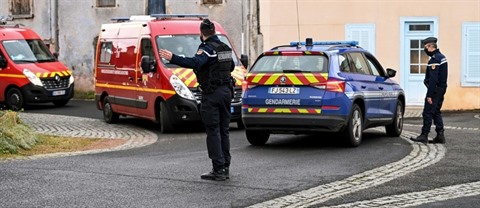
column 106, row 52
column 344, row 63
column 147, row 49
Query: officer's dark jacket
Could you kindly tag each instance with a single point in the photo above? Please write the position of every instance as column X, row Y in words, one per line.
column 212, row 62
column 437, row 73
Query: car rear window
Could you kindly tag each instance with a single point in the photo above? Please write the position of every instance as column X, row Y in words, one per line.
column 291, row 63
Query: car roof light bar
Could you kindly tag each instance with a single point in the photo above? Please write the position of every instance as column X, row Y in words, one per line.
column 348, row 43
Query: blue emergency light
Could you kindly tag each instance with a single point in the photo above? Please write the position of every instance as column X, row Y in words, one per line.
column 348, row 42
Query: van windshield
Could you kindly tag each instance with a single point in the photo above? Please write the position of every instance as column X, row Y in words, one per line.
column 27, row 51
column 186, row 45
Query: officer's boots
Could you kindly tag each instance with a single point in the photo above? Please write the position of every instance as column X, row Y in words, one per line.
column 440, row 138
column 423, row 138
column 215, row 175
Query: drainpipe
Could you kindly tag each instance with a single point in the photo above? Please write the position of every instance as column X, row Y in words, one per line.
column 55, row 25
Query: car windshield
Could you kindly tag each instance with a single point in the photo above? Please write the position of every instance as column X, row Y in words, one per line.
column 186, row 45
column 290, row 64
column 27, row 51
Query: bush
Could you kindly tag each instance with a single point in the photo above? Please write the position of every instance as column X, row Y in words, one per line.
column 14, row 133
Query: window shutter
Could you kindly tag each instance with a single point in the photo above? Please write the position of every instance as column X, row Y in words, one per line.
column 471, row 53
column 363, row 33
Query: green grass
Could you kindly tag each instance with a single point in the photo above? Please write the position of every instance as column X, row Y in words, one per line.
column 84, row 95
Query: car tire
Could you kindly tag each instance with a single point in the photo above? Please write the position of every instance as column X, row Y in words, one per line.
column 257, row 138
column 165, row 123
column 108, row 114
column 353, row 132
column 60, row 103
column 395, row 128
column 14, row 99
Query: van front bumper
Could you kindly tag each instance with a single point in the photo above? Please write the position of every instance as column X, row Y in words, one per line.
column 36, row 94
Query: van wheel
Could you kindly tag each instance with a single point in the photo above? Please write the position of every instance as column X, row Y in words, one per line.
column 60, row 103
column 395, row 128
column 257, row 138
column 108, row 115
column 354, row 131
column 165, row 123
column 14, row 99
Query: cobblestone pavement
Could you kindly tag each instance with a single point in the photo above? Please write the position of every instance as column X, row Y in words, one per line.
column 420, row 157
column 86, row 128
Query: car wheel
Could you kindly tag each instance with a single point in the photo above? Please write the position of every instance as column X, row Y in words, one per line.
column 395, row 128
column 14, row 99
column 165, row 123
column 108, row 115
column 60, row 103
column 257, row 138
column 354, row 131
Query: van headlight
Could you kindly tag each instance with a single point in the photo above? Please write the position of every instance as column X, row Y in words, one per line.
column 70, row 80
column 181, row 88
column 32, row 77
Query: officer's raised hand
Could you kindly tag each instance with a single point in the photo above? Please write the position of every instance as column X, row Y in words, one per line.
column 166, row 54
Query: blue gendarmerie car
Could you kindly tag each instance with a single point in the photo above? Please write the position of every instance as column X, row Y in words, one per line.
column 308, row 87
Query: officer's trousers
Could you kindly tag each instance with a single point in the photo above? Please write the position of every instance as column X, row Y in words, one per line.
column 215, row 113
column 432, row 112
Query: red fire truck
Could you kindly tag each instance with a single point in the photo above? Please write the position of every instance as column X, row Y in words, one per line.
column 131, row 78
column 29, row 72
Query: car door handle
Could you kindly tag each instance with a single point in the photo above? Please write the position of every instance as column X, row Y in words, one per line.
column 381, row 88
column 363, row 86
column 130, row 79
column 139, row 79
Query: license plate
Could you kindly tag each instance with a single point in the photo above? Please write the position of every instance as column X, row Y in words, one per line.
column 59, row 92
column 284, row 90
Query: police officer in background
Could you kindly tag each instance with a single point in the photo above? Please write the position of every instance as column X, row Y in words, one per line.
column 212, row 65
column 436, row 83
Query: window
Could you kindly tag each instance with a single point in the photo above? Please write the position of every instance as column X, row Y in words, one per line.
column 212, row 1
column 147, row 49
column 106, row 52
column 106, row 3
column 21, row 8
column 358, row 63
column 363, row 33
column 471, row 54
column 375, row 67
column 343, row 63
column 418, row 58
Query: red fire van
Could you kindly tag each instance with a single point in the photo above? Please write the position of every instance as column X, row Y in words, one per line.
column 29, row 73
column 131, row 78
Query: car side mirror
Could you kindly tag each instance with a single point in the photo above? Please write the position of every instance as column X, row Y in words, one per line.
column 148, row 64
column 3, row 62
column 391, row 72
column 244, row 60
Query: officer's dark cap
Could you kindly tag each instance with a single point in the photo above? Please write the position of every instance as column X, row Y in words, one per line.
column 429, row 40
column 206, row 25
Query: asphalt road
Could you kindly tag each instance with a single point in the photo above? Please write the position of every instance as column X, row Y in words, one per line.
column 167, row 173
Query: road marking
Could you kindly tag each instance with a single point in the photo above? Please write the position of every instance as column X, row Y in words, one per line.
column 419, row 198
column 420, row 157
column 447, row 127
column 477, row 116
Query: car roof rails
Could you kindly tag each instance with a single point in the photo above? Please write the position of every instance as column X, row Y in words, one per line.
column 172, row 16
column 158, row 17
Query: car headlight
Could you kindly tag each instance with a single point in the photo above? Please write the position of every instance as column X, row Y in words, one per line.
column 32, row 77
column 181, row 88
column 70, row 81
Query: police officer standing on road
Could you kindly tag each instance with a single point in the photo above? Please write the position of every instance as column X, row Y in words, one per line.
column 212, row 65
column 436, row 83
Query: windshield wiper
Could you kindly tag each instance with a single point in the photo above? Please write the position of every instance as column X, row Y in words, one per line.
column 294, row 71
column 47, row 60
column 26, row 61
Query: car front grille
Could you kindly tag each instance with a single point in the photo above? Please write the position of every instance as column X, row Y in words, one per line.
column 55, row 83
